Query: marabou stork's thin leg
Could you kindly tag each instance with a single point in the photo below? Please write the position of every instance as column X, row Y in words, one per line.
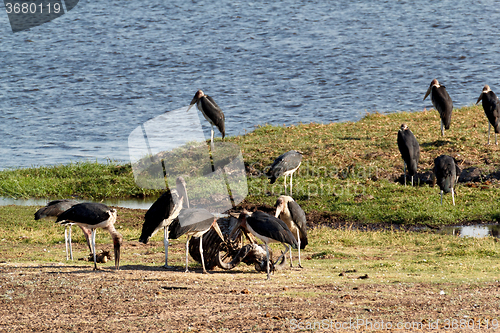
column 267, row 257
column 94, row 249
column 66, row 241
column 187, row 252
column 201, row 254
column 442, row 128
column 282, row 254
column 165, row 244
column 70, row 246
column 291, row 190
column 284, row 184
column 453, row 196
column 212, row 138
column 298, row 246
column 441, row 197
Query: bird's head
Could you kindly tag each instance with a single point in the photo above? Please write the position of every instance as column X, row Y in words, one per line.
column 199, row 94
column 404, row 127
column 242, row 221
column 282, row 204
column 434, row 83
column 486, row 89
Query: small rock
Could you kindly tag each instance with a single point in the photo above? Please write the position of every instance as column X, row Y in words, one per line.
column 246, row 291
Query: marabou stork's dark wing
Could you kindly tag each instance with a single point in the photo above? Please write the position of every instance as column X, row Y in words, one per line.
column 160, row 210
column 299, row 218
column 285, row 162
column 410, row 150
column 445, row 171
column 443, row 103
column 214, row 113
column 491, row 106
column 90, row 213
column 55, row 208
column 190, row 220
column 271, row 227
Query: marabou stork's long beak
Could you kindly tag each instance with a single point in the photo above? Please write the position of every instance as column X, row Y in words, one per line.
column 480, row 98
column 280, row 206
column 241, row 223
column 199, row 94
column 215, row 225
column 428, row 92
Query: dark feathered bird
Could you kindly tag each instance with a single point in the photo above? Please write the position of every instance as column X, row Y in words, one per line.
column 286, row 164
column 160, row 215
column 446, row 172
column 294, row 217
column 194, row 222
column 212, row 113
column 491, row 107
column 268, row 229
column 442, row 102
column 94, row 215
column 52, row 211
column 410, row 151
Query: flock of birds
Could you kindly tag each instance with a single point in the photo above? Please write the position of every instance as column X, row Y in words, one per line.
column 172, row 212
column 445, row 169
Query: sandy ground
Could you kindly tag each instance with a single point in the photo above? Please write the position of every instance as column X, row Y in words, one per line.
column 71, row 297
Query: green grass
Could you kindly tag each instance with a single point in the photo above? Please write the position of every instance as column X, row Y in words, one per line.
column 347, row 173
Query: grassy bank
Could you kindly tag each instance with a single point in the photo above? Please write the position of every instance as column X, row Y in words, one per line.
column 347, row 174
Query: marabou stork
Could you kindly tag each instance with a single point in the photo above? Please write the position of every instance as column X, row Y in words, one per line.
column 212, row 113
column 268, row 229
column 292, row 214
column 160, row 215
column 491, row 106
column 93, row 215
column 442, row 102
column 446, row 172
column 410, row 151
column 194, row 222
column 286, row 164
column 52, row 211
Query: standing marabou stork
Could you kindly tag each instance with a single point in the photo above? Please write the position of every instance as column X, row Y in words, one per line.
column 194, row 222
column 93, row 215
column 160, row 215
column 491, row 106
column 211, row 111
column 268, row 229
column 442, row 102
column 292, row 214
column 286, row 164
column 410, row 151
column 52, row 211
column 446, row 172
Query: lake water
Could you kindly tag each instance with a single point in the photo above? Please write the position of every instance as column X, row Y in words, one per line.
column 76, row 87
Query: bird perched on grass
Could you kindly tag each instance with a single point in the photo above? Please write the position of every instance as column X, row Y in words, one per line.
column 294, row 217
column 284, row 165
column 442, row 102
column 194, row 222
column 212, row 113
column 410, row 151
column 491, row 107
column 93, row 215
column 446, row 172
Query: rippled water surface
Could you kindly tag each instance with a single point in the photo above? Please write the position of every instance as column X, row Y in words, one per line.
column 76, row 87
